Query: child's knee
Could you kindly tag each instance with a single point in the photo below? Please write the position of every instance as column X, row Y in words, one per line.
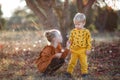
column 72, row 64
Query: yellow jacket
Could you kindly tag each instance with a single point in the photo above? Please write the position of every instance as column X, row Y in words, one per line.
column 80, row 38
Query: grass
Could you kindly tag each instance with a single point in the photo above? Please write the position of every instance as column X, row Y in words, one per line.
column 18, row 50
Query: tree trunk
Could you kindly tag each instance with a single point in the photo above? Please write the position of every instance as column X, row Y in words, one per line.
column 45, row 13
column 65, row 21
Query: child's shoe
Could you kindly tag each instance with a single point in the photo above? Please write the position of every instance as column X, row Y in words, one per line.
column 68, row 75
column 85, row 77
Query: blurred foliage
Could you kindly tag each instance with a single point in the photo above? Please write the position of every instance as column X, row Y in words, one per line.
column 22, row 19
column 92, row 28
column 2, row 20
column 99, row 19
column 1, row 13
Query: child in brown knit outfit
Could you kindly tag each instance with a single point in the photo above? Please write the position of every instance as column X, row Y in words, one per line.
column 51, row 58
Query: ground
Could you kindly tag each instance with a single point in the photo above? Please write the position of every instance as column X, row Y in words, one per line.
column 18, row 50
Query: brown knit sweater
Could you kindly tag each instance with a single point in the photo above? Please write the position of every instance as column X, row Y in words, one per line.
column 47, row 54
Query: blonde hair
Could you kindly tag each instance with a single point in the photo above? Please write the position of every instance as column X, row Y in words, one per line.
column 79, row 17
column 50, row 34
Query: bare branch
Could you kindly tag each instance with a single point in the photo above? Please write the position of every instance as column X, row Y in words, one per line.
column 31, row 4
column 88, row 6
column 66, row 11
column 45, row 4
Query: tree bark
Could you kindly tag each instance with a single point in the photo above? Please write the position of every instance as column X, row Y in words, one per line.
column 65, row 22
column 43, row 9
column 80, row 5
column 84, row 8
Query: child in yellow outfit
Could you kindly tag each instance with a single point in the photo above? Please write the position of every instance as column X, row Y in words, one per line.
column 80, row 45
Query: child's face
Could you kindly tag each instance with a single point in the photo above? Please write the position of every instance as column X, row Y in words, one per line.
column 79, row 24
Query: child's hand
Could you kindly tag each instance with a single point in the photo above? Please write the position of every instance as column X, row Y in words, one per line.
column 66, row 61
column 58, row 55
column 68, row 45
column 88, row 52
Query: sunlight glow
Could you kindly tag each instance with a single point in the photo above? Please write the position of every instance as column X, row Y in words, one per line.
column 39, row 41
column 8, row 6
column 16, row 48
column 34, row 45
column 29, row 48
column 24, row 49
column 62, row 0
column 115, row 4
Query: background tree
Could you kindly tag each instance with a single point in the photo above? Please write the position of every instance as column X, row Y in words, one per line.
column 107, row 18
column 2, row 20
column 22, row 19
column 56, row 14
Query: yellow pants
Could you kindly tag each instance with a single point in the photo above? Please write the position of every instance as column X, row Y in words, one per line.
column 79, row 54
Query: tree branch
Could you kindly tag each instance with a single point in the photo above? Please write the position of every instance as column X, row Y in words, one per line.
column 66, row 12
column 88, row 6
column 31, row 4
column 45, row 4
